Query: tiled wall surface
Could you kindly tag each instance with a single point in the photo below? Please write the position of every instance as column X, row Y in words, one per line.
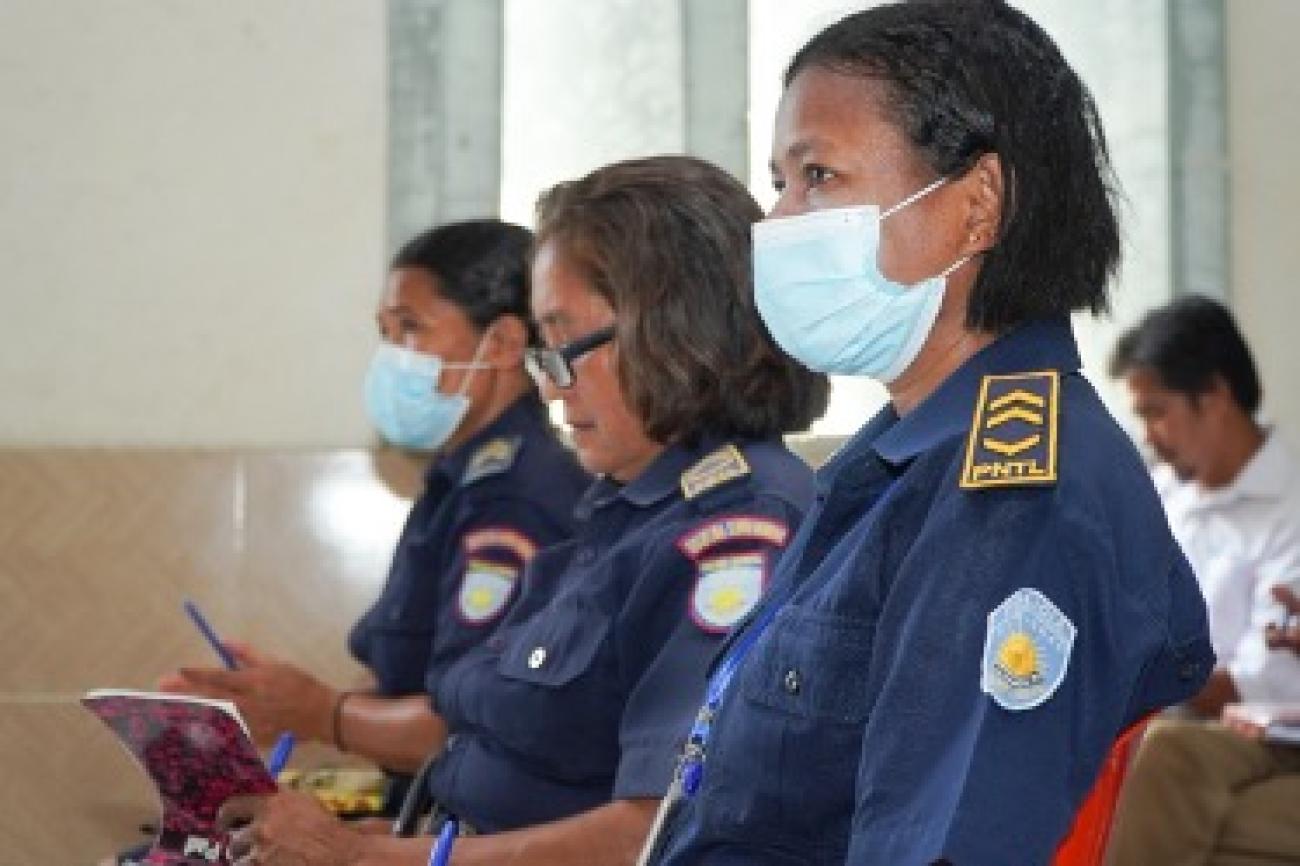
column 97, row 551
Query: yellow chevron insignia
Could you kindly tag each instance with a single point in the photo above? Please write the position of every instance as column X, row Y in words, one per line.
column 1012, row 440
column 1019, row 395
column 1016, row 414
column 1011, row 449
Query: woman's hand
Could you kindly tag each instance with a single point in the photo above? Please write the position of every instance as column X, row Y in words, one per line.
column 273, row 696
column 290, row 828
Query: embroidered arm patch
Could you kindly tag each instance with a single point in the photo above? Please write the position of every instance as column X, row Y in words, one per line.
column 1026, row 650
column 490, row 576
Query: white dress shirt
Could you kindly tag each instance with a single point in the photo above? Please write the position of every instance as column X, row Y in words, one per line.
column 1242, row 540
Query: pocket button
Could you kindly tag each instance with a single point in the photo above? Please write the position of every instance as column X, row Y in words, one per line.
column 792, row 682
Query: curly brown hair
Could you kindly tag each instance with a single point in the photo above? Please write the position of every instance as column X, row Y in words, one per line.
column 666, row 242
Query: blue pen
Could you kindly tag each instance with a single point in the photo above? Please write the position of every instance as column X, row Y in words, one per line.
column 211, row 636
column 284, row 745
column 440, row 855
column 280, row 754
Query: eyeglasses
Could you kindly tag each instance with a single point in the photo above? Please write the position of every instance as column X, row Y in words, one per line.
column 557, row 364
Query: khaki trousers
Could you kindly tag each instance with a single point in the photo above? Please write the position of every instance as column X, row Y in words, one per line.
column 1198, row 794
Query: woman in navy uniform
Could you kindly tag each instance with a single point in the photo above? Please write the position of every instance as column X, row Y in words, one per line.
column 563, row 728
column 449, row 379
column 986, row 593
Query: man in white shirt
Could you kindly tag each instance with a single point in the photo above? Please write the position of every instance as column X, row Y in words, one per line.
column 1231, row 488
column 1198, row 793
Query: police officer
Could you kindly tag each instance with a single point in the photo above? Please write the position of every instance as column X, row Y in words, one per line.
column 449, row 379
column 563, row 728
column 986, row 593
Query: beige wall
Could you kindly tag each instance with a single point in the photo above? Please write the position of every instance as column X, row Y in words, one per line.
column 191, row 219
column 97, row 550
column 1264, row 136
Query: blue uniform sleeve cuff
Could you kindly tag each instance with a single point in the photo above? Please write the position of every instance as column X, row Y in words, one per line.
column 645, row 770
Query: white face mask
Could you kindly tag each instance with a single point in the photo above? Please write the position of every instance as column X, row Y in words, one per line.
column 819, row 289
column 403, row 400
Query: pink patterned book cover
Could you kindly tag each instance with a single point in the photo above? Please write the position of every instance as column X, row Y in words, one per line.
column 198, row 753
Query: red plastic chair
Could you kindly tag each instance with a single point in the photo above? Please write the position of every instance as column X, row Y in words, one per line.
column 1085, row 844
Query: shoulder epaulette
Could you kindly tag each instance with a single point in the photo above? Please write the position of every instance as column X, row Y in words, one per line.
column 493, row 457
column 1012, row 440
column 713, row 470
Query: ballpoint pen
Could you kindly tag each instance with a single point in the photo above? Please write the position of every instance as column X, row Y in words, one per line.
column 284, row 744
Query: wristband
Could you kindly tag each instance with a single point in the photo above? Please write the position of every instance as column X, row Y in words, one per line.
column 336, row 719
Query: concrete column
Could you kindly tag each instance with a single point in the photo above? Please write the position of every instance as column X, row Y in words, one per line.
column 1199, row 178
column 715, row 80
column 444, row 112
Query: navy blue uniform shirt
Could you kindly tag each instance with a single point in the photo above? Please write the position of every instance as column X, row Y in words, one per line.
column 585, row 692
column 984, row 596
column 486, row 509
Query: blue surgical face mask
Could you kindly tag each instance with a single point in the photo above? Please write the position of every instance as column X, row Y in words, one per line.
column 819, row 289
column 403, row 400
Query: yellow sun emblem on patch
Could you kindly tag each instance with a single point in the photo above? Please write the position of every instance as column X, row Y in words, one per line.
column 727, row 601
column 1018, row 657
column 479, row 599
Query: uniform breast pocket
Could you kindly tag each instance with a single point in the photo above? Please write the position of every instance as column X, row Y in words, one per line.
column 553, row 651
column 814, row 666
column 788, row 744
column 558, row 697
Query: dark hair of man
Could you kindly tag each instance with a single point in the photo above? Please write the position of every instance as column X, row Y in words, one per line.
column 1187, row 343
column 665, row 241
column 964, row 78
column 481, row 267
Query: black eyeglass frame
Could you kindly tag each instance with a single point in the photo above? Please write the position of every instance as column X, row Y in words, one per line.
column 557, row 364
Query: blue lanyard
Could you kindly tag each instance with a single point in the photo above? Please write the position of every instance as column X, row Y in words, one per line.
column 440, row 854
column 691, row 769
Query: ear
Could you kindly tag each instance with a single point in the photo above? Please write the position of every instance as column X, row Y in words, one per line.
column 1219, row 395
column 506, row 339
column 985, row 196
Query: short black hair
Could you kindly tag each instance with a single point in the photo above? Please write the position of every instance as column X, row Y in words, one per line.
column 666, row 242
column 965, row 78
column 1187, row 343
column 481, row 266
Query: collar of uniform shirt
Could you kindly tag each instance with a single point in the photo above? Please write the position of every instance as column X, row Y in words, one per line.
column 659, row 480
column 1030, row 348
column 515, row 419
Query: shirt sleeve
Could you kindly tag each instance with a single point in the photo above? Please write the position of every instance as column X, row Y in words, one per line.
column 700, row 593
column 947, row 771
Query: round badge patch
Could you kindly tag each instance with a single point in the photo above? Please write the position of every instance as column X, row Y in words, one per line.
column 727, row 589
column 485, row 589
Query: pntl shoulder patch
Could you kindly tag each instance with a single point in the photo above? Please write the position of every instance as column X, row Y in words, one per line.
column 492, row 458
column 1012, row 440
column 726, row 590
column 719, row 467
column 1026, row 650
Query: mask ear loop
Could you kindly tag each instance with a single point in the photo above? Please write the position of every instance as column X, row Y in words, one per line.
column 473, row 365
column 914, row 197
column 954, row 266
